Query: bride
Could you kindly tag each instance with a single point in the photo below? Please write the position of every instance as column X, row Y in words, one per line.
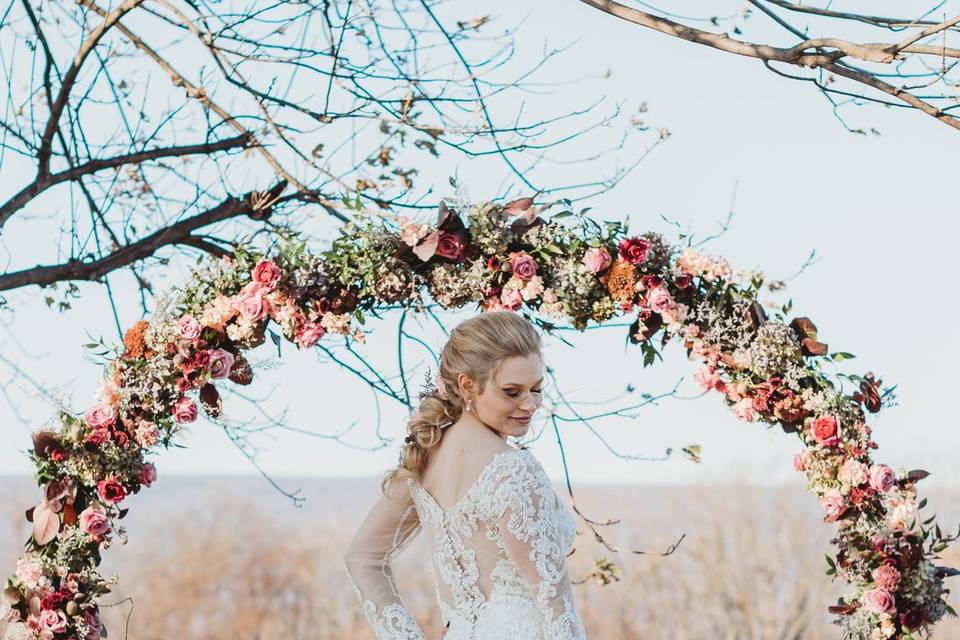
column 498, row 534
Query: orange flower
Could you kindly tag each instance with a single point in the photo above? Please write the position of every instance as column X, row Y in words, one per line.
column 135, row 341
column 621, row 280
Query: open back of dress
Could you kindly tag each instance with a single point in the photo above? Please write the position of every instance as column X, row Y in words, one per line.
column 498, row 557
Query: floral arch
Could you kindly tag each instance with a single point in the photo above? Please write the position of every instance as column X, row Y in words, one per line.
column 513, row 256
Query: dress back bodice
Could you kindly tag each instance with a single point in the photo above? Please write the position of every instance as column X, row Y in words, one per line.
column 497, row 557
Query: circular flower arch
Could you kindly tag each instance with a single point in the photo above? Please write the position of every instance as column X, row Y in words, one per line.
column 564, row 266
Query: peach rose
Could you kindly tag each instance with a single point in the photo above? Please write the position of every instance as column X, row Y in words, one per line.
column 799, row 464
column 708, row 378
column 309, row 334
column 511, row 298
column 147, row 433
column 852, row 473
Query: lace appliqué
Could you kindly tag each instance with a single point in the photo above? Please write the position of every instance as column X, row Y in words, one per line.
column 514, row 486
column 393, row 622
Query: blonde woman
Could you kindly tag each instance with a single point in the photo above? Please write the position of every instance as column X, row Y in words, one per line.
column 497, row 531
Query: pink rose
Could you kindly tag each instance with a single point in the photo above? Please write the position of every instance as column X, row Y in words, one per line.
column 833, row 503
column 148, row 474
column 511, row 298
column 100, row 416
column 111, row 491
column 309, row 334
column 266, row 274
column 450, row 245
column 708, row 378
column 185, row 410
column 523, row 265
column 826, row 431
column 634, row 250
column 597, row 259
column 93, row 521
column 220, row 364
column 881, row 478
column 744, row 409
column 880, row 601
column 189, row 328
column 53, row 620
column 798, row 463
column 659, row 299
column 252, row 305
column 886, row 577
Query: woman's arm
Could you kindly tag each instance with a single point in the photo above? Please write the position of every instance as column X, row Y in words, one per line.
column 385, row 531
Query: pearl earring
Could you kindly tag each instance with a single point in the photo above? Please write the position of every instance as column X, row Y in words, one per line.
column 469, row 405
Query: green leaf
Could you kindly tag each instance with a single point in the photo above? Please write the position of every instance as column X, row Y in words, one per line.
column 841, row 355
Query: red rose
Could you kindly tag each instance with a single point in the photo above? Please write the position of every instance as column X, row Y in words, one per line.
column 650, row 281
column 120, row 437
column 634, row 250
column 450, row 245
column 912, row 619
column 59, row 454
column 826, row 431
column 683, row 281
column 111, row 491
column 185, row 410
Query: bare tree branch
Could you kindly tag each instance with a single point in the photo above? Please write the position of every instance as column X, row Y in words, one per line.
column 827, row 53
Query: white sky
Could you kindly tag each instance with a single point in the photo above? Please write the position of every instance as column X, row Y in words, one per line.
column 880, row 211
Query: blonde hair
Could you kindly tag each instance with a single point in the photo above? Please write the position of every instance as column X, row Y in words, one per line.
column 476, row 347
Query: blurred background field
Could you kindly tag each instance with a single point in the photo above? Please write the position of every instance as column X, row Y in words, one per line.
column 230, row 558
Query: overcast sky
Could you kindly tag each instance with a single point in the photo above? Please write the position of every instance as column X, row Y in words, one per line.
column 879, row 210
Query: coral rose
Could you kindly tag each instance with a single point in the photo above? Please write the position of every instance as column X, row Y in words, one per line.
column 826, row 431
column 266, row 274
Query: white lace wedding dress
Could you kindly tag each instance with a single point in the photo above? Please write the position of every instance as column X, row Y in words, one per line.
column 499, row 557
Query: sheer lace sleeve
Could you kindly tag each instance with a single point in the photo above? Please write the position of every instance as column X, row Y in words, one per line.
column 532, row 527
column 389, row 526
